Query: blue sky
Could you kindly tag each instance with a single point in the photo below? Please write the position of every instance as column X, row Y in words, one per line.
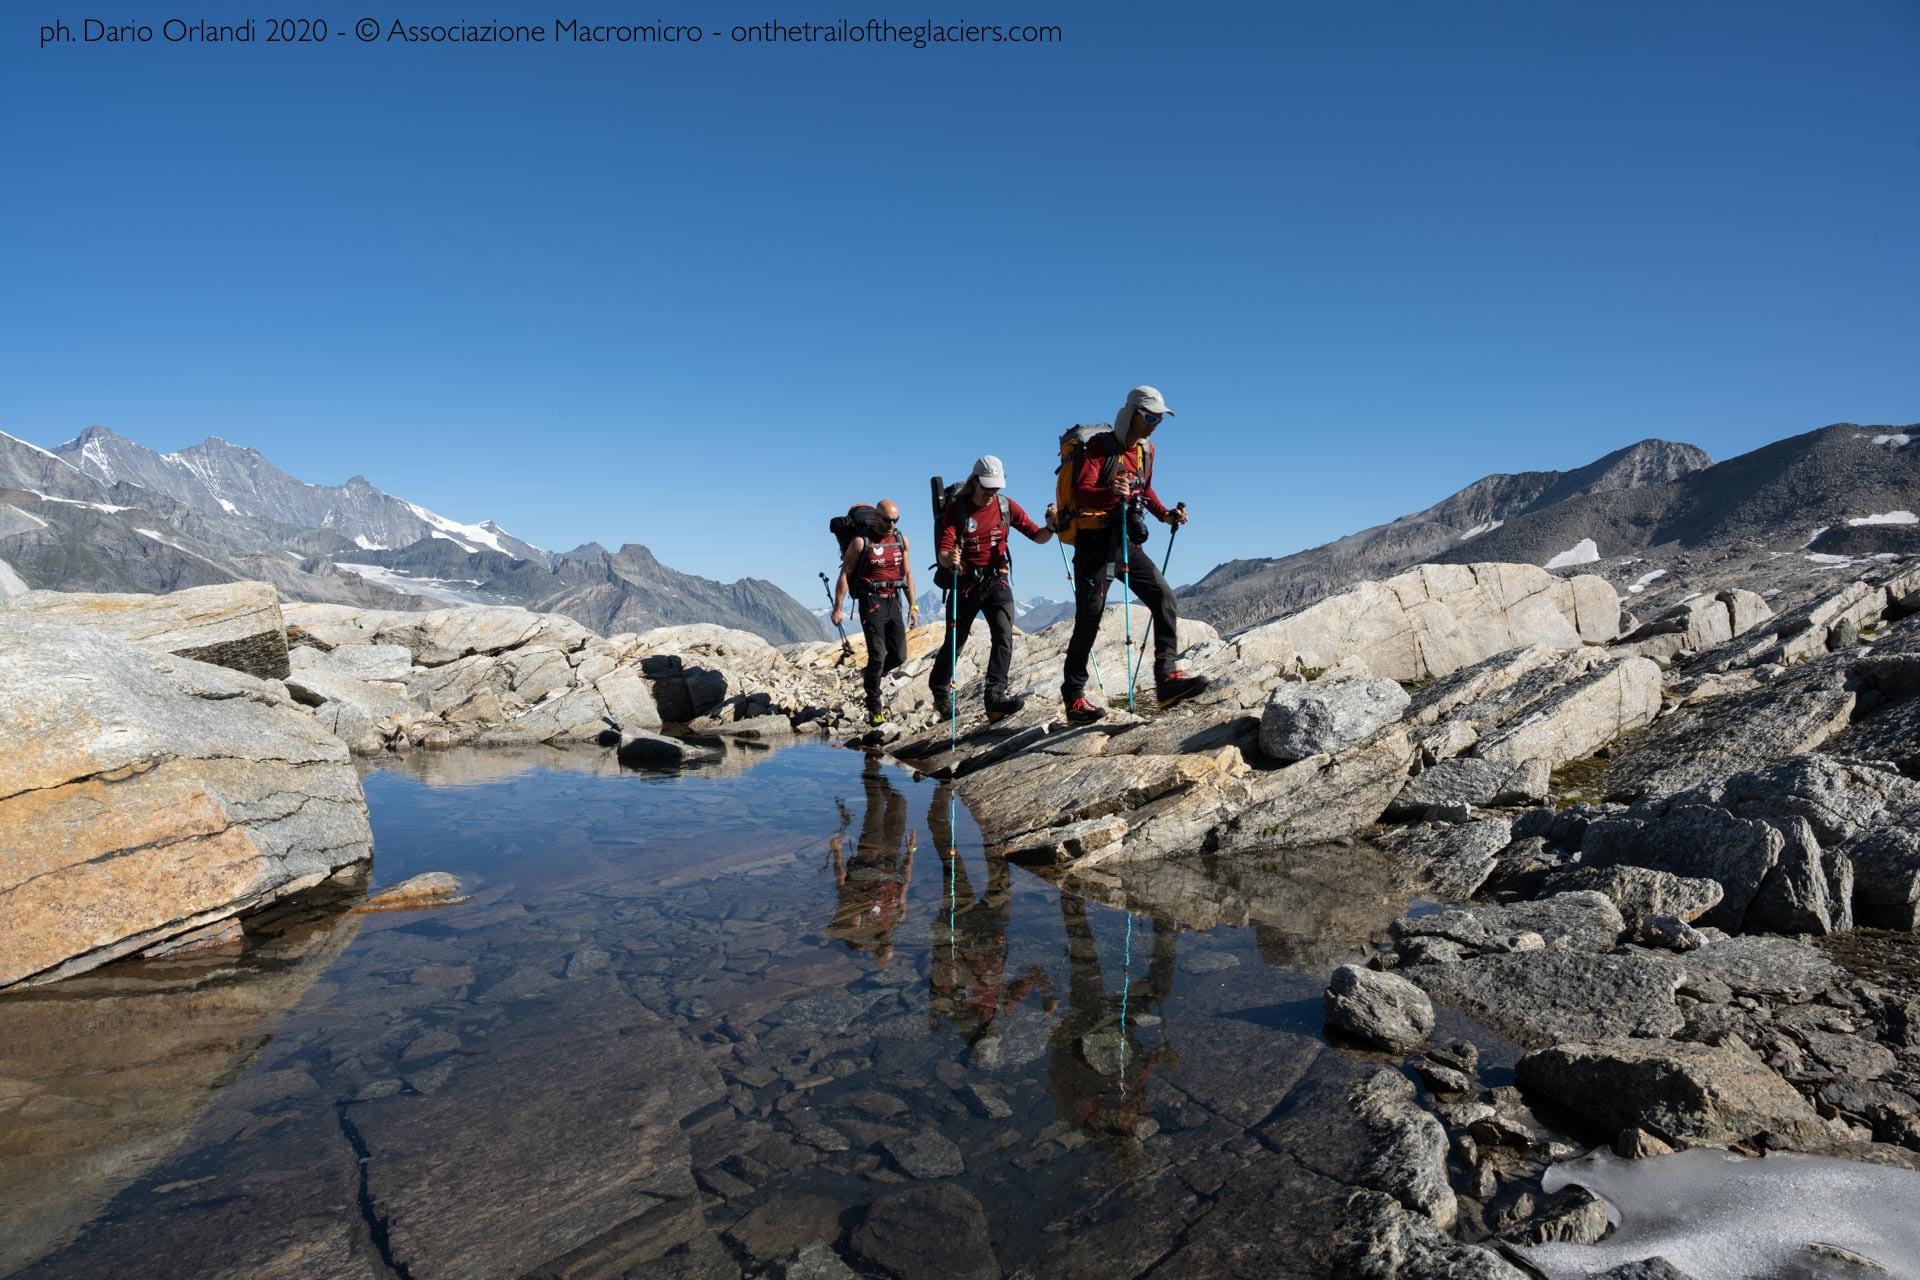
column 703, row 297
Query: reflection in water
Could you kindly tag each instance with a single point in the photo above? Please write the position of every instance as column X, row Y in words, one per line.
column 967, row 956
column 873, row 886
column 1100, row 1061
column 102, row 1074
column 639, row 1004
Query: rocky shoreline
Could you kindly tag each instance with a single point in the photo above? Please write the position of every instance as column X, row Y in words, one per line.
column 1662, row 842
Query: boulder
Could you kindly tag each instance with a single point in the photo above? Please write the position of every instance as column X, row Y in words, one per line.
column 1437, row 618
column 1326, row 717
column 1694, row 841
column 147, row 796
column 228, row 624
column 1862, row 825
column 1409, row 1159
column 1450, row 861
column 1438, row 700
column 1735, row 733
column 1465, row 780
column 355, row 662
column 657, row 751
column 1575, row 721
column 1381, row 1009
column 1640, row 891
column 1553, row 994
column 1316, row 799
column 354, row 710
column 1687, row 1094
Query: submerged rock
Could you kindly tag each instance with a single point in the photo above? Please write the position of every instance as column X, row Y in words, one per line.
column 432, row 889
column 928, row 1233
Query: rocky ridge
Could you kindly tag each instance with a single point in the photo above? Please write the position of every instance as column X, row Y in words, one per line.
column 1632, row 833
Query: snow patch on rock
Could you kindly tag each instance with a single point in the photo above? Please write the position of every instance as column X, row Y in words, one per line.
column 1585, row 551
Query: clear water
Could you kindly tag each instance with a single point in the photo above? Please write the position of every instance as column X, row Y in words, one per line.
column 687, row 1023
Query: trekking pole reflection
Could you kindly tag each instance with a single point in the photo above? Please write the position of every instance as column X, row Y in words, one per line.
column 1097, row 1062
column 967, row 981
column 873, row 885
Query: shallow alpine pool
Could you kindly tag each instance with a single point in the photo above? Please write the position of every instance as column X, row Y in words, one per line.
column 692, row 1024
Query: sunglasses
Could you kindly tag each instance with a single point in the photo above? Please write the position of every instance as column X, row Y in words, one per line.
column 1151, row 419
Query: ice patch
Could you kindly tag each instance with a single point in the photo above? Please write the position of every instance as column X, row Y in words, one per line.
column 1890, row 517
column 227, row 507
column 93, row 453
column 107, row 507
column 1479, row 529
column 1825, row 557
column 27, row 515
column 431, row 588
column 10, row 582
column 1895, row 440
column 1582, row 552
column 365, row 543
column 1647, row 579
column 1815, row 536
column 1719, row 1216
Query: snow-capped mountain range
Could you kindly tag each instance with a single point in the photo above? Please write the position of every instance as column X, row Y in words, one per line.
column 216, row 475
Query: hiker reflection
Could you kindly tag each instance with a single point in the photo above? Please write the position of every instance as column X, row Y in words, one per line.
column 967, row 980
column 873, row 885
column 1100, row 1070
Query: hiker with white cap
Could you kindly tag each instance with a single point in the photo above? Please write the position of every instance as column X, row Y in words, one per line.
column 971, row 539
column 1110, row 478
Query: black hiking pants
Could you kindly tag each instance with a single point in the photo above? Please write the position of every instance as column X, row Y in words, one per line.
column 1093, row 568
column 994, row 598
column 886, row 633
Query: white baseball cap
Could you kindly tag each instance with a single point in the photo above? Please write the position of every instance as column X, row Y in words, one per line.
column 1148, row 400
column 990, row 473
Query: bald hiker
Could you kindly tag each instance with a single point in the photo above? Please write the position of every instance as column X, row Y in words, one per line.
column 876, row 567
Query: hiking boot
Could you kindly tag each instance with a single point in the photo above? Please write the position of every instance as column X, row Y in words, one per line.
column 1001, row 708
column 943, row 703
column 1177, row 686
column 876, row 719
column 1080, row 711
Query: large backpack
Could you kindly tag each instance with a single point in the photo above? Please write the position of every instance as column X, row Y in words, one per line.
column 857, row 523
column 1068, row 520
column 947, row 495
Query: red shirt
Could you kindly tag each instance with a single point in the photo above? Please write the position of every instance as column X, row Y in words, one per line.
column 979, row 533
column 886, row 562
column 1089, row 494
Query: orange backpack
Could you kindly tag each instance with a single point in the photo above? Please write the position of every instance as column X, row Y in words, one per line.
column 1068, row 520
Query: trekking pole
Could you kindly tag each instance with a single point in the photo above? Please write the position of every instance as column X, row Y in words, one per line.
column 1073, row 592
column 846, row 645
column 1148, row 633
column 1126, row 604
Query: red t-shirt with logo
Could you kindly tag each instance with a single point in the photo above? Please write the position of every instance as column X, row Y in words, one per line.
column 979, row 532
column 886, row 563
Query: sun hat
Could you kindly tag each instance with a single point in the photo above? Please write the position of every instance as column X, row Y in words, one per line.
column 990, row 473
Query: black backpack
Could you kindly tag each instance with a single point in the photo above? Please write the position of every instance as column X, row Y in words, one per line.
column 944, row 497
column 857, row 523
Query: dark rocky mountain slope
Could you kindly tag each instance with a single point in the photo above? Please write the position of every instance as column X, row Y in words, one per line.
column 1242, row 593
